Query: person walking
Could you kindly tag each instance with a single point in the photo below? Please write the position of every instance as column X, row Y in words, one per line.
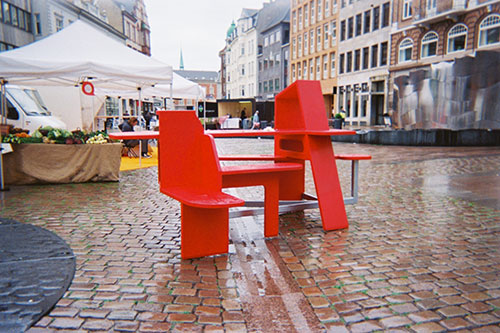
column 256, row 120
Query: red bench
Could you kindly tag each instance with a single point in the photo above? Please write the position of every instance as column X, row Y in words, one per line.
column 190, row 172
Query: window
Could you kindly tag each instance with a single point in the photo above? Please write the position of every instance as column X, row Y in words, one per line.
column 266, row 41
column 489, row 30
column 367, row 22
column 294, row 48
column 271, row 85
column 299, row 71
column 14, row 18
column 350, row 24
column 429, row 44
column 294, row 21
column 293, row 73
column 383, row 54
column 386, row 15
column 311, row 41
column 311, row 69
column 265, row 86
column 406, row 9
column 59, row 22
column 325, row 36
column 405, row 50
column 313, row 13
column 457, row 38
column 306, row 16
column 242, row 48
column 349, row 62
column 6, row 12
column 304, row 70
column 357, row 60
column 431, row 5
column 320, row 15
column 300, row 18
column 332, row 64
column 333, row 32
column 318, row 68
column 306, row 43
column 271, row 39
column 243, row 70
column 325, row 64
column 277, row 84
column 300, row 46
column 341, row 63
column 327, row 8
column 376, row 18
column 318, row 39
column 366, row 57
column 38, row 24
column 278, row 35
column 359, row 25
column 374, row 55
column 342, row 30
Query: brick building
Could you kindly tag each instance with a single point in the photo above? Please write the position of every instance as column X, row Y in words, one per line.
column 428, row 38
column 314, row 43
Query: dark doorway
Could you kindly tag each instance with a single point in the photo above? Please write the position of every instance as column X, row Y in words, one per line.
column 377, row 110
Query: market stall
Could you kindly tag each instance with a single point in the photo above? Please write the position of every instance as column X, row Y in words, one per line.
column 38, row 163
column 78, row 55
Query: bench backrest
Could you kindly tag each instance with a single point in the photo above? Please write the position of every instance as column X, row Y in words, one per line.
column 187, row 156
column 301, row 107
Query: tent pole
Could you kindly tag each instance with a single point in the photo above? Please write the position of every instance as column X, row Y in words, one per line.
column 171, row 95
column 204, row 113
column 4, row 104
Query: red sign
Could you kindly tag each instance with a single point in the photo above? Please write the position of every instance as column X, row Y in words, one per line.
column 88, row 88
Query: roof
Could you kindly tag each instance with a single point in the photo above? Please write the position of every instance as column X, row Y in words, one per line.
column 198, row 75
column 248, row 12
column 272, row 14
column 128, row 5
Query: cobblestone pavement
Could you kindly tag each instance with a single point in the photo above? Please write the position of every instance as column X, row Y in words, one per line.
column 421, row 253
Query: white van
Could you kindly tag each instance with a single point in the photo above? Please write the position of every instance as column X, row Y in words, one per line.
column 26, row 109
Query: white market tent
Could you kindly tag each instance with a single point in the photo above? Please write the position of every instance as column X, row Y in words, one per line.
column 81, row 52
column 181, row 88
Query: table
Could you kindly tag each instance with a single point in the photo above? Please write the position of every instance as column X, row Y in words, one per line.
column 135, row 136
column 39, row 163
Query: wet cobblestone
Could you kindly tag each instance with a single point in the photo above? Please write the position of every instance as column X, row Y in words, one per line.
column 421, row 252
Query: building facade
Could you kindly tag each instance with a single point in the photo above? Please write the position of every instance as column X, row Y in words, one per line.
column 363, row 60
column 130, row 18
column 273, row 54
column 444, row 64
column 314, row 45
column 206, row 79
column 241, row 56
column 16, row 28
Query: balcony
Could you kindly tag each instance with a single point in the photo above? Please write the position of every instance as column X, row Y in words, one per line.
column 457, row 7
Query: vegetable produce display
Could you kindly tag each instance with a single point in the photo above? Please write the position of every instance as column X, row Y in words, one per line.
column 56, row 136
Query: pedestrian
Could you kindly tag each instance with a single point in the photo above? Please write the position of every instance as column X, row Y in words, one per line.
column 243, row 116
column 128, row 126
column 256, row 120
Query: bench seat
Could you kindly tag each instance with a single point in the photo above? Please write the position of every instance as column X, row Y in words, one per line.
column 269, row 157
column 259, row 168
column 203, row 199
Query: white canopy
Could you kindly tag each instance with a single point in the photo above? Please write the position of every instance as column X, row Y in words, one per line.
column 81, row 52
column 181, row 88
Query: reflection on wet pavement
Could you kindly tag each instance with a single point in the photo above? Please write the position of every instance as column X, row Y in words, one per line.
column 421, row 252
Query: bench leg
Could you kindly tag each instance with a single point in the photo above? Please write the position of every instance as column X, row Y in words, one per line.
column 354, row 180
column 204, row 231
column 271, row 207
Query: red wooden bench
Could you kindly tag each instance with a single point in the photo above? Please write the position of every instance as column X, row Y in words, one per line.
column 190, row 172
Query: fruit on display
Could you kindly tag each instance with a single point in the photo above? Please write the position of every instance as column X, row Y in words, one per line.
column 98, row 139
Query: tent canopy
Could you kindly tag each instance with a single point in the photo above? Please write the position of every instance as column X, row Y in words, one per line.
column 181, row 88
column 81, row 52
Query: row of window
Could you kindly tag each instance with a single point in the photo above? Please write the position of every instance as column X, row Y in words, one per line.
column 366, row 22
column 315, row 68
column 15, row 16
column 267, row 86
column 315, row 40
column 312, row 12
column 365, row 58
column 272, row 38
column 489, row 33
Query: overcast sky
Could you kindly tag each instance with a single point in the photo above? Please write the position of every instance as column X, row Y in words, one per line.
column 198, row 26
